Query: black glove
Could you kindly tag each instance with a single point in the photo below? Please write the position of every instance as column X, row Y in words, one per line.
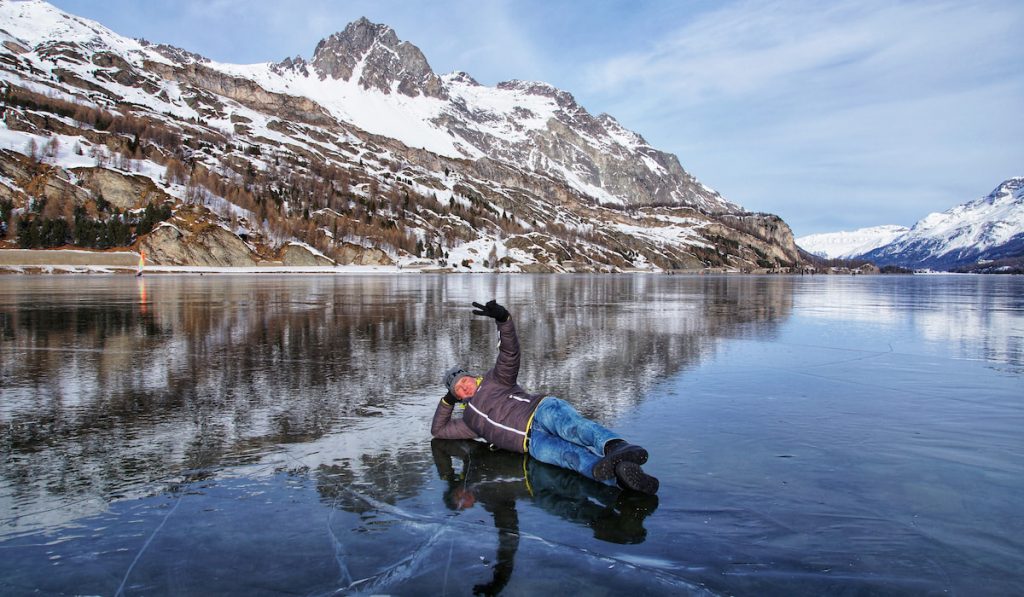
column 491, row 309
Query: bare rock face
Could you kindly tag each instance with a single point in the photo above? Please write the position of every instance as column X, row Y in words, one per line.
column 300, row 255
column 246, row 92
column 110, row 60
column 599, row 151
column 202, row 244
column 38, row 180
column 125, row 191
column 642, row 175
column 355, row 255
column 387, row 62
column 771, row 230
column 15, row 47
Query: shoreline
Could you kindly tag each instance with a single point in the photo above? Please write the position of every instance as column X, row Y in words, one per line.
column 343, row 270
column 66, row 269
column 78, row 262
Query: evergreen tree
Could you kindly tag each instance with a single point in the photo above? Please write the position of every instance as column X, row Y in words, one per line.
column 25, row 240
column 150, row 217
column 6, row 209
column 101, row 203
column 78, row 232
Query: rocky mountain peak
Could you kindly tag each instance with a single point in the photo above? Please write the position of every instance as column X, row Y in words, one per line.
column 463, row 77
column 356, row 40
column 373, row 53
column 175, row 54
column 1009, row 195
column 563, row 98
column 1013, row 187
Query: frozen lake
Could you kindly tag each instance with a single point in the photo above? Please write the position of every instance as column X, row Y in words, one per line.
column 270, row 434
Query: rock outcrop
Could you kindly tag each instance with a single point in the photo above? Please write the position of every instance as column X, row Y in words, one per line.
column 295, row 254
column 125, row 191
column 775, row 236
column 189, row 240
column 244, row 91
column 32, row 178
column 356, row 255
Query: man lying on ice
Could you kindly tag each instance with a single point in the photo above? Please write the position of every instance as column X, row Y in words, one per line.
column 545, row 427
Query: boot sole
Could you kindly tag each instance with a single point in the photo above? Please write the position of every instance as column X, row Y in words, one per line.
column 633, row 477
column 605, row 468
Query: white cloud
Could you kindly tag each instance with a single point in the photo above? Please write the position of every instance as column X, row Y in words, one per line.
column 884, row 108
column 769, row 49
column 730, row 52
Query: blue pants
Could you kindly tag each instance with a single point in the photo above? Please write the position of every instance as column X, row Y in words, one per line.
column 561, row 436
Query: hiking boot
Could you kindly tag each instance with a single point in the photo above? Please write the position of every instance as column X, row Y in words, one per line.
column 617, row 451
column 631, row 476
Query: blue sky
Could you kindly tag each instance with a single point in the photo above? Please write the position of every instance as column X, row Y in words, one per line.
column 834, row 115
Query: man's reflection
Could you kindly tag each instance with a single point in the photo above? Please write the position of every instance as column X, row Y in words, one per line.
column 496, row 479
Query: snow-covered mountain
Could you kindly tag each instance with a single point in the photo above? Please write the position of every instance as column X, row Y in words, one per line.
column 986, row 229
column 362, row 145
column 846, row 245
column 366, row 76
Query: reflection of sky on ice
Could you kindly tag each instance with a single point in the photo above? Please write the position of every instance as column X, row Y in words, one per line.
column 848, row 304
column 867, row 445
column 985, row 335
column 973, row 317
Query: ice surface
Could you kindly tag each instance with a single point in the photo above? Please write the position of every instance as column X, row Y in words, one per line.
column 253, row 434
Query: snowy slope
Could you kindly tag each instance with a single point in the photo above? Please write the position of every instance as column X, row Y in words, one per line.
column 34, row 22
column 391, row 115
column 845, row 245
column 38, row 25
column 988, row 228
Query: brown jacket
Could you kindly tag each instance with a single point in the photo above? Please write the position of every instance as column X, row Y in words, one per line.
column 501, row 411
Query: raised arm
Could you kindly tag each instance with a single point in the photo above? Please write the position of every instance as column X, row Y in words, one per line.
column 506, row 367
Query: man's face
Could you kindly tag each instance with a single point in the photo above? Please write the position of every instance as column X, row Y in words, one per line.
column 465, row 387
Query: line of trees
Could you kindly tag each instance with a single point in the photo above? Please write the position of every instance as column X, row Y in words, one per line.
column 118, row 229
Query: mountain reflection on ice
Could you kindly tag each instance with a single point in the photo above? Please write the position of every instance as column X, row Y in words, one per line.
column 268, row 434
column 101, row 396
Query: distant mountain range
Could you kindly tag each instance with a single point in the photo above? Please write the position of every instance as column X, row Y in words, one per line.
column 990, row 229
column 359, row 154
column 847, row 245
